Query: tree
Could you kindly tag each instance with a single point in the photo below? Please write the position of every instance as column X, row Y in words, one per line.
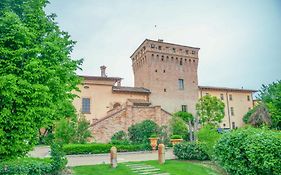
column 210, row 110
column 179, row 127
column 37, row 74
column 258, row 116
column 270, row 95
column 188, row 119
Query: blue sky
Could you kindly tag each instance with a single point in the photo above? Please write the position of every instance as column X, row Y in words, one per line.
column 240, row 40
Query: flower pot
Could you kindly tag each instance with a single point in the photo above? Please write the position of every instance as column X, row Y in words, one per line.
column 153, row 143
column 176, row 141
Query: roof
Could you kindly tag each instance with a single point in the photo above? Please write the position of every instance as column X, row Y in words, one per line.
column 140, row 102
column 161, row 42
column 225, row 89
column 100, row 78
column 130, row 89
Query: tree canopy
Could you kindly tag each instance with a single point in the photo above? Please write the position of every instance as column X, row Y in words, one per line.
column 210, row 110
column 270, row 95
column 37, row 74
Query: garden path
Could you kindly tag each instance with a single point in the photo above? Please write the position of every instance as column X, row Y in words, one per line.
column 94, row 159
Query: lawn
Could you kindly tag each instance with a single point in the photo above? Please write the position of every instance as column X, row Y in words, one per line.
column 173, row 167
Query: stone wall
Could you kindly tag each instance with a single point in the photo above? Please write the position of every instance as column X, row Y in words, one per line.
column 122, row 119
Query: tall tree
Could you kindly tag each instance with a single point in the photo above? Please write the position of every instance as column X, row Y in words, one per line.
column 37, row 74
column 210, row 110
column 270, row 95
column 188, row 119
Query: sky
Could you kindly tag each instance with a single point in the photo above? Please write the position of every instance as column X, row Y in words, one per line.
column 239, row 41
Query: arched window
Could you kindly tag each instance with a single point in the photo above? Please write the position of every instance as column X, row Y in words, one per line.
column 116, row 105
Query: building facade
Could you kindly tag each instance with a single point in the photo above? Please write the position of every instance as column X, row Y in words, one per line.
column 165, row 81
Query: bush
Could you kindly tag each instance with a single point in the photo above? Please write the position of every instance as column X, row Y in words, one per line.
column 209, row 135
column 250, row 151
column 58, row 158
column 72, row 130
column 120, row 136
column 140, row 132
column 97, row 148
column 190, row 151
column 178, row 127
column 176, row 137
column 26, row 166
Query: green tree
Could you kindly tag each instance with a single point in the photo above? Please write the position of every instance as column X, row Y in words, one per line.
column 37, row 74
column 179, row 127
column 210, row 110
column 270, row 95
column 188, row 119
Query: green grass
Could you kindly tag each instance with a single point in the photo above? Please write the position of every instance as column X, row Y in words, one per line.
column 174, row 167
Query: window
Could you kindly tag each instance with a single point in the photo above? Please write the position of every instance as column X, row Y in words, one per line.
column 232, row 111
column 85, row 105
column 174, row 50
column 155, row 70
column 221, row 96
column 224, row 125
column 233, row 125
column 180, row 62
column 183, row 108
column 249, row 108
column 164, row 71
column 230, row 97
column 152, row 46
column 248, row 97
column 165, row 90
column 181, row 84
column 193, row 52
column 159, row 48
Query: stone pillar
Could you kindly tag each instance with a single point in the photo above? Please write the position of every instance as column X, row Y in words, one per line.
column 113, row 157
column 161, row 153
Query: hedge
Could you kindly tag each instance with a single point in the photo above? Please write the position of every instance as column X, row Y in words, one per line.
column 97, row 148
column 250, row 151
column 191, row 151
column 26, row 166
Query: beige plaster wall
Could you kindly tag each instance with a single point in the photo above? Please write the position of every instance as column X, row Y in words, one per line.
column 239, row 102
column 102, row 98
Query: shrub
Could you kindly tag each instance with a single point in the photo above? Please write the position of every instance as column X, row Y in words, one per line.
column 58, row 158
column 209, row 135
column 176, row 137
column 120, row 136
column 140, row 132
column 24, row 166
column 250, row 151
column 178, row 127
column 190, row 151
column 72, row 130
column 97, row 148
column 163, row 134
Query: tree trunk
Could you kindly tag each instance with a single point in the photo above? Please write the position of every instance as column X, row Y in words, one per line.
column 190, row 131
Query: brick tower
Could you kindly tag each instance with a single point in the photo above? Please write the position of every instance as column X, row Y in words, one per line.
column 170, row 72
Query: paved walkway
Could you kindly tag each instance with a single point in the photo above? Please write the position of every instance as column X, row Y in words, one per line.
column 93, row 159
column 76, row 160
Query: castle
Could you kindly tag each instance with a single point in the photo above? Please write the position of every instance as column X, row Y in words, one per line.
column 166, row 81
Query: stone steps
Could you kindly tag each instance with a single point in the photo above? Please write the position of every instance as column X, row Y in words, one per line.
column 143, row 169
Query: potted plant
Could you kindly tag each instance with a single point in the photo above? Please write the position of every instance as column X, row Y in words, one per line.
column 153, row 141
column 176, row 139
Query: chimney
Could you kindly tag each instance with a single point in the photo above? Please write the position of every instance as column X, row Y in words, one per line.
column 119, row 83
column 102, row 71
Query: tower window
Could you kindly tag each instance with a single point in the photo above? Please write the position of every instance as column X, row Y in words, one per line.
column 248, row 97
column 174, row 50
column 193, row 52
column 162, row 59
column 165, row 90
column 183, row 108
column 222, row 97
column 85, row 105
column 232, row 111
column 155, row 70
column 152, row 55
column 152, row 45
column 181, row 84
column 164, row 71
column 180, row 62
column 159, row 48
